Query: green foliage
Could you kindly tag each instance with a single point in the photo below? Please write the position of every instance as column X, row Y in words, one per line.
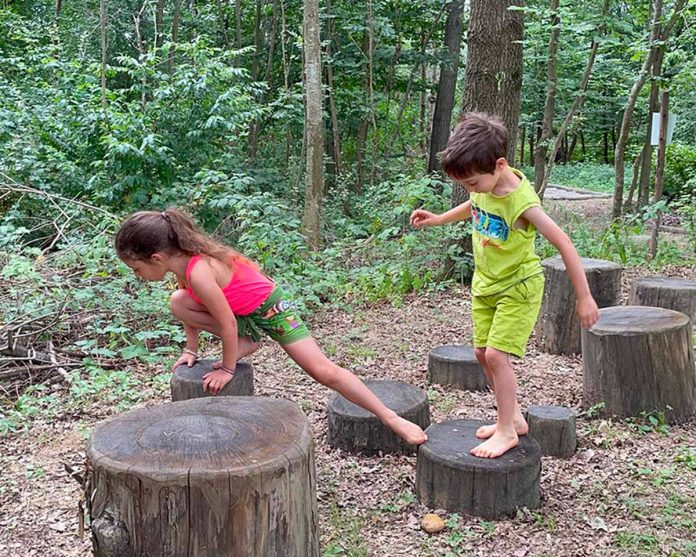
column 583, row 175
column 649, row 422
column 680, row 171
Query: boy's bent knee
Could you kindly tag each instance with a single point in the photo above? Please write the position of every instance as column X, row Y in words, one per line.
column 494, row 357
column 480, row 354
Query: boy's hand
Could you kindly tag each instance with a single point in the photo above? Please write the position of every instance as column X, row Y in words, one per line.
column 214, row 381
column 421, row 217
column 185, row 358
column 588, row 312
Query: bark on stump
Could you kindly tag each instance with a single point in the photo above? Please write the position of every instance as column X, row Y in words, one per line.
column 449, row 477
column 457, row 366
column 669, row 293
column 639, row 359
column 353, row 428
column 207, row 477
column 558, row 327
column 187, row 382
column 553, row 427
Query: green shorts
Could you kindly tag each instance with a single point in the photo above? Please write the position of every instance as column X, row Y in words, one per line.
column 276, row 317
column 505, row 320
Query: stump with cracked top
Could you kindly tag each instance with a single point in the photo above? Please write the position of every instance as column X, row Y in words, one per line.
column 669, row 293
column 353, row 428
column 229, row 476
column 553, row 427
column 187, row 382
column 457, row 366
column 558, row 326
column 640, row 359
column 449, row 477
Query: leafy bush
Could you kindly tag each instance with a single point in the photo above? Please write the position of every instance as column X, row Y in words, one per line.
column 680, row 171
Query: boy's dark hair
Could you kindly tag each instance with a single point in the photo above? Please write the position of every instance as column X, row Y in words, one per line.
column 475, row 144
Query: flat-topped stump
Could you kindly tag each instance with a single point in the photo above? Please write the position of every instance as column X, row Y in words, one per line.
column 187, row 382
column 669, row 293
column 640, row 359
column 449, row 477
column 353, row 428
column 457, row 366
column 230, row 476
column 553, row 427
column 558, row 326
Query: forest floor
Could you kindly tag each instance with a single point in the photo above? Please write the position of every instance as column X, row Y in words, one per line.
column 628, row 490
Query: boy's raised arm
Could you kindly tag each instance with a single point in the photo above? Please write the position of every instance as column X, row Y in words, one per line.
column 421, row 217
column 586, row 306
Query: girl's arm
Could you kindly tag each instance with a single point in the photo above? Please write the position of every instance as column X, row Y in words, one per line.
column 586, row 307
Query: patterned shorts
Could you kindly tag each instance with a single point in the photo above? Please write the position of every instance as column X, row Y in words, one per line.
column 277, row 317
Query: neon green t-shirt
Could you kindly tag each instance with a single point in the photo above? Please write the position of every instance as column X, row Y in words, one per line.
column 503, row 255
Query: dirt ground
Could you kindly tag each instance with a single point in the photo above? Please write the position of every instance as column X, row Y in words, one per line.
column 624, row 493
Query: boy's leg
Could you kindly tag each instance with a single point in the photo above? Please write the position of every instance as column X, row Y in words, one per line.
column 307, row 354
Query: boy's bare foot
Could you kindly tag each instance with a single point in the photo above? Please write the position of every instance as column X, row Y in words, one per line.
column 520, row 424
column 499, row 443
column 408, row 431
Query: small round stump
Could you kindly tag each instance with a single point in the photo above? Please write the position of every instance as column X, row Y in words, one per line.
column 353, row 428
column 640, row 359
column 457, row 366
column 449, row 477
column 553, row 427
column 229, row 476
column 558, row 326
column 669, row 293
column 187, row 382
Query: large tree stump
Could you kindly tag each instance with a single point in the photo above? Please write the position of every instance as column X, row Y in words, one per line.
column 640, row 359
column 449, row 477
column 187, row 382
column 353, row 428
column 457, row 366
column 558, row 327
column 207, row 477
column 669, row 293
column 553, row 427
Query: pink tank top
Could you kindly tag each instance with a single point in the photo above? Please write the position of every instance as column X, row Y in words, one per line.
column 247, row 290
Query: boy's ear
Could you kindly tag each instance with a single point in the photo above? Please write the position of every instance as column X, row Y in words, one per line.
column 500, row 164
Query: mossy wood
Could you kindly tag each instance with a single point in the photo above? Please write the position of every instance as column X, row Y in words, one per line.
column 558, row 326
column 457, row 366
column 353, row 428
column 187, row 382
column 640, row 359
column 669, row 293
column 207, row 477
column 553, row 427
column 449, row 477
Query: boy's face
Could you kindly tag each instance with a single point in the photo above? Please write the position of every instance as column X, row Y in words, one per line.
column 483, row 183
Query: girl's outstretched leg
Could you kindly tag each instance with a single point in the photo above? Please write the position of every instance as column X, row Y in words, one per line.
column 307, row 354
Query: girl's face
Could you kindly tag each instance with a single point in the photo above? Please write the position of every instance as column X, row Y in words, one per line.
column 152, row 269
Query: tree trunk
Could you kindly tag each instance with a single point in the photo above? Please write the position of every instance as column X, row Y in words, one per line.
column 659, row 172
column 187, row 382
column 457, row 366
column 333, row 113
column 238, row 23
column 175, row 35
column 102, row 33
column 553, row 427
column 447, row 85
column 644, row 188
column 314, row 190
column 364, row 122
column 668, row 293
column 159, row 23
column 523, row 140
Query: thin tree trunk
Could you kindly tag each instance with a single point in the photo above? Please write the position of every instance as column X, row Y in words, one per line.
column 628, row 206
column 223, row 23
column 423, row 111
column 159, row 23
column 660, row 170
column 175, row 35
column 333, row 113
column 141, row 53
column 102, row 33
column 364, row 122
column 238, row 23
column 523, row 140
column 257, row 42
column 447, row 85
column 59, row 7
column 531, row 145
column 582, row 145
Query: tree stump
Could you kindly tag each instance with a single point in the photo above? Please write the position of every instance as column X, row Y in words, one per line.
column 187, row 382
column 553, row 427
column 669, row 293
column 449, row 477
column 640, row 359
column 558, row 327
column 457, row 366
column 353, row 428
column 207, row 477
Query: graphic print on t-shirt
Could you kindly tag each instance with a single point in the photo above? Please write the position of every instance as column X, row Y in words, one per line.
column 489, row 224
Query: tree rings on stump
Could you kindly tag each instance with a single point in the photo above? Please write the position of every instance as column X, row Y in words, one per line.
column 558, row 326
column 353, row 428
column 669, row 293
column 449, row 477
column 640, row 359
column 187, row 382
column 211, row 476
column 457, row 366
column 553, row 427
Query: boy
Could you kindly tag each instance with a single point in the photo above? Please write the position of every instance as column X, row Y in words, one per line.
column 508, row 279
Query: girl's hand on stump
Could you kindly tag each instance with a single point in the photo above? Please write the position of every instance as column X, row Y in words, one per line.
column 588, row 312
column 186, row 358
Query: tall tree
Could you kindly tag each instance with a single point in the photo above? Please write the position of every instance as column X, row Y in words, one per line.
column 314, row 126
column 447, row 84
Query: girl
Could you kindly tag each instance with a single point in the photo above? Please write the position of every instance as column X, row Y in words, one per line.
column 223, row 292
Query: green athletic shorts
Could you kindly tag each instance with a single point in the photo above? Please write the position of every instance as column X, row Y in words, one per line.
column 276, row 317
column 505, row 320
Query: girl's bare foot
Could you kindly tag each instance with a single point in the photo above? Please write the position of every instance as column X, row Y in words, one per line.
column 498, row 444
column 408, row 431
column 520, row 424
